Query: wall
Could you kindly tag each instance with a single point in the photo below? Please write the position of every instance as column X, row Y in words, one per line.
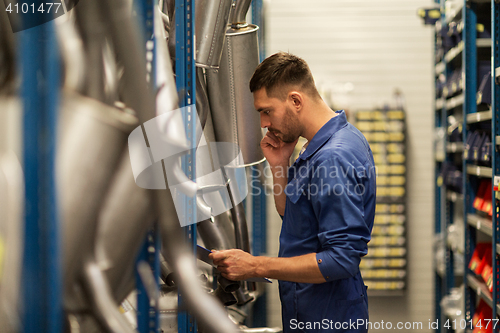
column 360, row 51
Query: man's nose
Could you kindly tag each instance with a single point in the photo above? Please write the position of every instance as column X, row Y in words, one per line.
column 264, row 121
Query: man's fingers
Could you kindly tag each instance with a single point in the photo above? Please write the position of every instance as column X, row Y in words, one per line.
column 268, row 140
column 272, row 135
column 217, row 255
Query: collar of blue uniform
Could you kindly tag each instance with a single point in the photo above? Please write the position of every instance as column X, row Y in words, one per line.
column 324, row 133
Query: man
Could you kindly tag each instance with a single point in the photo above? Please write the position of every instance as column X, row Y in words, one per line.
column 327, row 206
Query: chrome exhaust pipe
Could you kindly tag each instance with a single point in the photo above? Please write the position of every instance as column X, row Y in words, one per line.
column 141, row 99
column 11, row 240
column 104, row 307
column 72, row 53
column 231, row 101
column 126, row 216
column 226, row 298
column 91, row 134
column 210, row 25
column 239, row 14
column 209, row 313
column 7, row 52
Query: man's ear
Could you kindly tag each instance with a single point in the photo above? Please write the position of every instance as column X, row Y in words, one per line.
column 296, row 99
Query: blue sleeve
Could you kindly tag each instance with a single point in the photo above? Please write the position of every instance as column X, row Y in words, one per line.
column 339, row 208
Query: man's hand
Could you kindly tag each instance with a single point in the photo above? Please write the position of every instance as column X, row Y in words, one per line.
column 235, row 264
column 276, row 151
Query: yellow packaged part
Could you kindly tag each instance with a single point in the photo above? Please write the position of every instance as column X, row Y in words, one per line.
column 397, row 180
column 364, row 125
column 397, row 169
column 396, row 136
column 396, row 158
column 396, row 115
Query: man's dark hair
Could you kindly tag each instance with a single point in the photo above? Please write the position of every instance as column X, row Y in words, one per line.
column 281, row 72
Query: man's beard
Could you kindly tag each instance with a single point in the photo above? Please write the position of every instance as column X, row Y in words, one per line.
column 291, row 128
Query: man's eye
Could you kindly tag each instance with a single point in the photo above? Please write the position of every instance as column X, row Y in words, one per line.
column 266, row 112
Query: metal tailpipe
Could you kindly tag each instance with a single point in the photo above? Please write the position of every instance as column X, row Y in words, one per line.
column 243, row 296
column 72, row 53
column 234, row 117
column 202, row 102
column 210, row 25
column 124, row 221
column 129, row 48
column 242, row 242
column 88, row 17
column 228, row 285
column 225, row 297
column 130, row 51
column 240, row 227
column 11, row 240
column 210, row 314
column 212, row 235
column 7, row 51
column 92, row 134
column 104, row 307
column 238, row 15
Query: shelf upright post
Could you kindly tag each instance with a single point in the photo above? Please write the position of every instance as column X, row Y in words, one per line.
column 186, row 85
column 469, row 63
column 41, row 273
column 259, row 206
column 147, row 311
column 495, row 123
column 259, row 20
column 439, row 282
column 446, row 205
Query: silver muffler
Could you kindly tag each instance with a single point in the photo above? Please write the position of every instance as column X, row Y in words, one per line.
column 126, row 217
column 231, row 102
column 92, row 138
column 11, row 240
column 141, row 99
column 210, row 25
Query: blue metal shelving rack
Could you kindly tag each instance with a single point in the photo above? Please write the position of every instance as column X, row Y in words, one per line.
column 443, row 282
column 147, row 311
column 186, row 85
column 41, row 278
column 470, row 106
column 476, row 227
column 495, row 133
column 259, row 207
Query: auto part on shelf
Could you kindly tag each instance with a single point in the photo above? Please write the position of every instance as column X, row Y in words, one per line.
column 91, row 27
column 210, row 314
column 93, row 135
column 7, row 52
column 234, row 117
column 202, row 102
column 243, row 295
column 225, row 297
column 141, row 99
column 125, row 218
column 11, row 240
column 210, row 25
column 72, row 53
column 227, row 285
column 104, row 307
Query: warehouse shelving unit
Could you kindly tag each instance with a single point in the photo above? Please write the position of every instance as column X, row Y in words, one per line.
column 186, row 83
column 259, row 198
column 384, row 269
column 42, row 272
column 147, row 311
column 42, row 276
column 471, row 165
